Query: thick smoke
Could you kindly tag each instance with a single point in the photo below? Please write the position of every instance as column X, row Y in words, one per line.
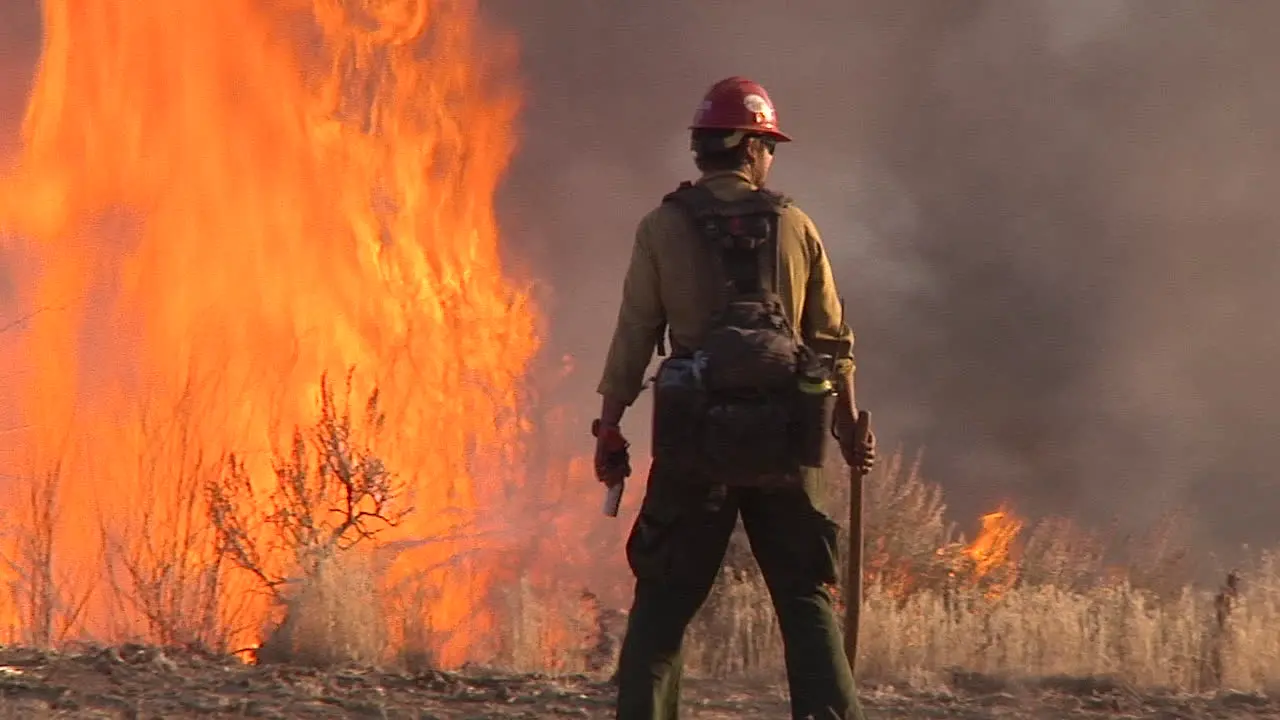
column 19, row 46
column 1052, row 220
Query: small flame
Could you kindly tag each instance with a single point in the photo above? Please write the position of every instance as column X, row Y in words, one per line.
column 993, row 547
column 989, row 562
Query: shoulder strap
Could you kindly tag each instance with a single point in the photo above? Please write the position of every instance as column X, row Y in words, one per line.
column 699, row 201
column 745, row 232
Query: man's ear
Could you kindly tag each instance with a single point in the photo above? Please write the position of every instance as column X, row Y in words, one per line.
column 754, row 152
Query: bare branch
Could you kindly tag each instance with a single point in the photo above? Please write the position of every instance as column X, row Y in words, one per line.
column 331, row 492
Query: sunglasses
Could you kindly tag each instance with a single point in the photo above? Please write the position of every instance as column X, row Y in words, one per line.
column 769, row 143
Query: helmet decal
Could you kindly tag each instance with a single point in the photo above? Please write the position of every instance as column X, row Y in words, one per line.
column 761, row 107
column 702, row 110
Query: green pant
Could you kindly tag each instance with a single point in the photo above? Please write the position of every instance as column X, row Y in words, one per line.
column 675, row 551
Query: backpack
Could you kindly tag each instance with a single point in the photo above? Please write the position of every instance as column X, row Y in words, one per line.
column 742, row 427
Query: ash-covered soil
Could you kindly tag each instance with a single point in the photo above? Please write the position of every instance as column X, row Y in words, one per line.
column 145, row 683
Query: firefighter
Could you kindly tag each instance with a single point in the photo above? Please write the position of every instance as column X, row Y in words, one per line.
column 738, row 277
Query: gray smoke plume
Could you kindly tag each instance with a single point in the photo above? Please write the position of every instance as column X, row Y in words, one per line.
column 1052, row 220
column 19, row 46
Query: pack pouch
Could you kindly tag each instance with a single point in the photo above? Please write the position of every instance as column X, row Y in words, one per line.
column 679, row 408
column 748, row 442
column 751, row 347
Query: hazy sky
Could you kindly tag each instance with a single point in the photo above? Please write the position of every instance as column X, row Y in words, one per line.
column 1052, row 220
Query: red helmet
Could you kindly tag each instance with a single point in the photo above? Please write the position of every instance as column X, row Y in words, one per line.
column 737, row 103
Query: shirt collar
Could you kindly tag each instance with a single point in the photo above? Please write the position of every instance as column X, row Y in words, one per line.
column 727, row 179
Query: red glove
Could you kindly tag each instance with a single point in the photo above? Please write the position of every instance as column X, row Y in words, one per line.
column 613, row 459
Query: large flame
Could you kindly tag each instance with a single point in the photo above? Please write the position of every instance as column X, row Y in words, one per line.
column 215, row 203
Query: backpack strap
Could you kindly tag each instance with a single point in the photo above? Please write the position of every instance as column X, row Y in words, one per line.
column 745, row 232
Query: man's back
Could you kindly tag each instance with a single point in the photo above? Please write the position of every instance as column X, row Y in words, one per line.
column 676, row 279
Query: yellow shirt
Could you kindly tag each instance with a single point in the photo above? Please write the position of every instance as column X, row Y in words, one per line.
column 673, row 281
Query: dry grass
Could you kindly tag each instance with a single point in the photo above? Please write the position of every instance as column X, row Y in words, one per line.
column 1032, row 630
column 1066, row 600
column 330, row 617
column 1070, row 602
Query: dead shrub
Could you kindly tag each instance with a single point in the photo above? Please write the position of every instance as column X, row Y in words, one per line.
column 302, row 538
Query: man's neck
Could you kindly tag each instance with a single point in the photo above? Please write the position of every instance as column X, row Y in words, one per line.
column 743, row 175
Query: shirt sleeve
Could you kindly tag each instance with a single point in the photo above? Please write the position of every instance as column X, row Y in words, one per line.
column 823, row 323
column 641, row 319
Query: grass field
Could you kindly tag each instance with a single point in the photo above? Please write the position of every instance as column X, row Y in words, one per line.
column 1043, row 598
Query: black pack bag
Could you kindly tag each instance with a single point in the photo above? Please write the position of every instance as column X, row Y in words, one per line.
column 748, row 362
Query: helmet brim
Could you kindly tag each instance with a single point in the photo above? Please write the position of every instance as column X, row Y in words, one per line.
column 775, row 134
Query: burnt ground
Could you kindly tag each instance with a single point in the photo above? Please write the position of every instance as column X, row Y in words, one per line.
column 145, row 683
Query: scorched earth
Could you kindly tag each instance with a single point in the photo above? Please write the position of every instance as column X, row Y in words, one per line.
column 148, row 682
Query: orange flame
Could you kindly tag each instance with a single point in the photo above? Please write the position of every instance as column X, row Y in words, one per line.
column 215, row 203
column 993, row 547
column 992, row 564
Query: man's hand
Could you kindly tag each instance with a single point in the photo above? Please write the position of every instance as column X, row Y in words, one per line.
column 613, row 460
column 859, row 451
